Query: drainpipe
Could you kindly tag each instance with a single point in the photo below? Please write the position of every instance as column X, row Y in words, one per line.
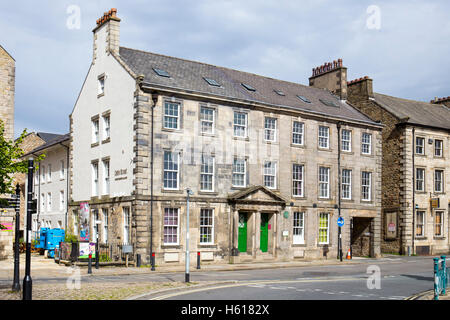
column 338, row 125
column 67, row 186
column 413, row 190
column 152, row 258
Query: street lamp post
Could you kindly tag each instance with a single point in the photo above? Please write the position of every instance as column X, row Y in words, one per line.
column 189, row 193
column 16, row 284
column 97, row 222
column 27, row 282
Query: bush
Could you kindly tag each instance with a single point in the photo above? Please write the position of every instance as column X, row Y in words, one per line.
column 104, row 258
column 71, row 238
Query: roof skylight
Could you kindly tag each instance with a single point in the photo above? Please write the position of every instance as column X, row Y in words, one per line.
column 161, row 72
column 212, row 82
column 248, row 87
column 329, row 103
column 279, row 92
column 304, row 99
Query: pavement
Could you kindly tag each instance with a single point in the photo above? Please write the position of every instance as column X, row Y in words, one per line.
column 45, row 268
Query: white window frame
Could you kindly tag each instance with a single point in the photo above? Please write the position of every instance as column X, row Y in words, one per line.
column 49, row 173
column 270, row 172
column 106, row 126
column 62, row 200
column 94, row 179
column 95, row 225
column 298, row 133
column 441, row 181
column 44, row 177
column 62, row 172
column 167, row 115
column 441, row 149
column 270, row 129
column 173, row 226
column 423, row 224
column 324, row 137
column 43, row 202
column 420, row 180
column 346, row 140
column 49, row 201
column 366, row 188
column 101, row 85
column 239, row 124
column 105, row 214
column 441, row 224
column 346, row 182
column 171, row 169
column 239, row 173
column 324, row 172
column 327, row 228
column 126, row 213
column 205, row 120
column 298, row 228
column 210, row 226
column 298, row 178
column 421, row 146
column 208, row 162
column 366, row 144
column 95, row 130
column 106, row 176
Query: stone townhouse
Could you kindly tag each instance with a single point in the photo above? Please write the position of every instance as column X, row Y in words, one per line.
column 261, row 156
column 50, row 183
column 415, row 170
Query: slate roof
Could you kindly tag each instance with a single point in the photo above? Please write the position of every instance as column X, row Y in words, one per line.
column 189, row 75
column 417, row 112
column 47, row 137
column 57, row 138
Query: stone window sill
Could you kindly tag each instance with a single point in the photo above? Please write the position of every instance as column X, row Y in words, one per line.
column 93, row 145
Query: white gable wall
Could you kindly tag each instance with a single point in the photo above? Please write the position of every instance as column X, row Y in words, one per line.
column 118, row 99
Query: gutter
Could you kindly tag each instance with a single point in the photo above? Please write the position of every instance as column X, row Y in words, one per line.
column 413, row 233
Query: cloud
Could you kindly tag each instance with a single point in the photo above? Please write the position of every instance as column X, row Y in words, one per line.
column 406, row 57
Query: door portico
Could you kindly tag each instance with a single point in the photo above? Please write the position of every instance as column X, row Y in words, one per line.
column 255, row 212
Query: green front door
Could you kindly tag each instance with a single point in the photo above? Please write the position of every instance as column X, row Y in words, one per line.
column 264, row 235
column 242, row 232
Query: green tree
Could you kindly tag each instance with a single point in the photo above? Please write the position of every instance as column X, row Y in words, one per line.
column 11, row 162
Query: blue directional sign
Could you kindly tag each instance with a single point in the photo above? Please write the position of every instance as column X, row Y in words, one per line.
column 340, row 221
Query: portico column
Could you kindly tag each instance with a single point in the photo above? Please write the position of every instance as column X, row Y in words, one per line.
column 275, row 233
column 236, row 229
column 257, row 235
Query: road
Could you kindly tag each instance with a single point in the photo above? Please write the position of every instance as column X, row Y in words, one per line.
column 400, row 277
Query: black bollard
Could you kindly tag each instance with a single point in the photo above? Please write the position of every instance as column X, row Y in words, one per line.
column 90, row 264
column 138, row 260
column 198, row 260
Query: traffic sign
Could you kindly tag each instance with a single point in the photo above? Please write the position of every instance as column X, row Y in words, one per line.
column 340, row 221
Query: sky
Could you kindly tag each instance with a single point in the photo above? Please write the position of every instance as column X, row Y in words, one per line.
column 402, row 45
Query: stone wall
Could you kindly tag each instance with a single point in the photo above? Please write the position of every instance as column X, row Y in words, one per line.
column 7, row 87
column 7, row 237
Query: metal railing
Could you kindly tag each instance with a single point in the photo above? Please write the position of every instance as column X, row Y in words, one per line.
column 108, row 252
column 441, row 277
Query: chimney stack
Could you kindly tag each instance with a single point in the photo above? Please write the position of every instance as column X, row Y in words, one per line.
column 445, row 101
column 331, row 76
column 107, row 33
column 360, row 87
